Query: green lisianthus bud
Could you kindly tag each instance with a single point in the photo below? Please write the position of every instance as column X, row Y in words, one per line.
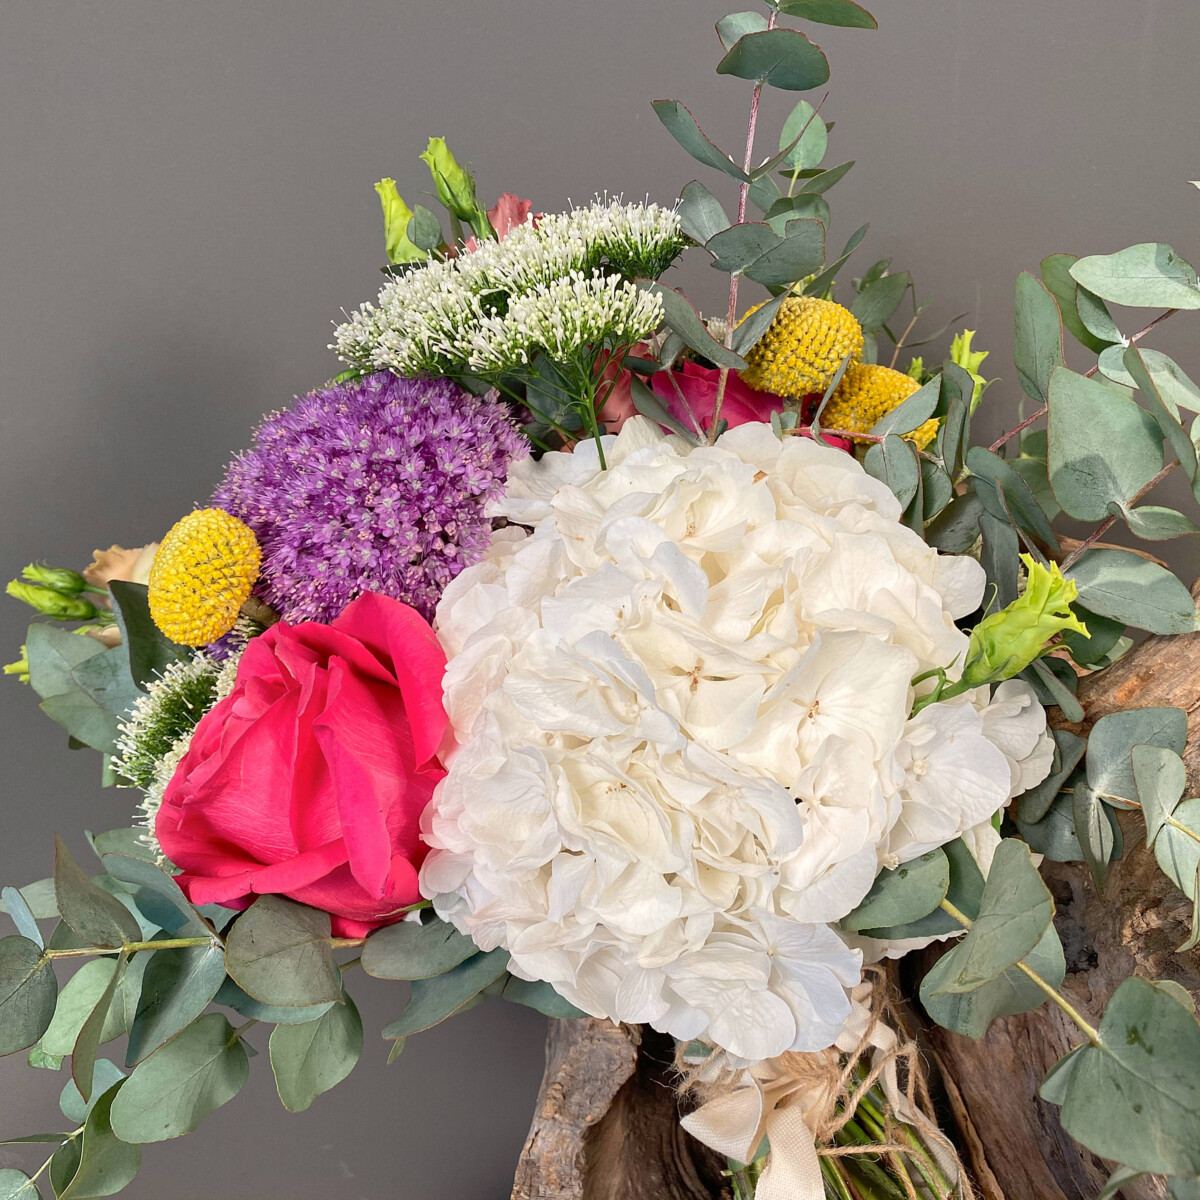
column 57, row 579
column 916, row 368
column 456, row 187
column 970, row 361
column 396, row 216
column 20, row 668
column 51, row 603
column 1005, row 643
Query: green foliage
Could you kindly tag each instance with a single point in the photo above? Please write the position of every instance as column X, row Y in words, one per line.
column 28, row 991
column 433, row 1000
column 780, row 58
column 829, row 12
column 1039, row 336
column 408, row 950
column 904, row 894
column 1150, row 275
column 1135, row 591
column 149, row 650
column 311, row 1058
column 106, row 1163
column 94, row 915
column 16, row 1185
column 176, row 989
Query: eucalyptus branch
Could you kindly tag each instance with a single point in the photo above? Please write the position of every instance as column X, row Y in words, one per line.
column 132, row 947
column 734, row 278
column 1041, row 412
column 877, row 438
column 1052, row 993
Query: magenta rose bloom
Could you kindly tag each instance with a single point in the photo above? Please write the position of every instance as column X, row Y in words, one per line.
column 309, row 779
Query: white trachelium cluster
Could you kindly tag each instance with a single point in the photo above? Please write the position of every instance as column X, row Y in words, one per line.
column 455, row 313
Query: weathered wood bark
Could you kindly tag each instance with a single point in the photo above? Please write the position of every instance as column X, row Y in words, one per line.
column 605, row 1126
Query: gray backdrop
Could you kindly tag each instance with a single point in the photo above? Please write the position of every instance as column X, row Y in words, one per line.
column 187, row 204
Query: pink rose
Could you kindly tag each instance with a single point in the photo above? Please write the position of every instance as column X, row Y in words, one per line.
column 309, row 779
column 698, row 384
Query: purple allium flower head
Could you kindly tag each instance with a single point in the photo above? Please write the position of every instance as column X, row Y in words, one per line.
column 377, row 485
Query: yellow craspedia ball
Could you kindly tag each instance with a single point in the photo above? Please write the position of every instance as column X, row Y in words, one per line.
column 866, row 394
column 202, row 575
column 803, row 348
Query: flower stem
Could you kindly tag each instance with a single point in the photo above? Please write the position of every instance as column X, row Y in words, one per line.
column 131, row 947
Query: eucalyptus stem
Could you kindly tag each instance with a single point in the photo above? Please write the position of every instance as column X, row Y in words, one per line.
column 1052, row 993
column 734, row 278
column 131, row 947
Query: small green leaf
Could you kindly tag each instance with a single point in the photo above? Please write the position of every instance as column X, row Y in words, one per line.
column 681, row 125
column 682, row 317
column 95, row 916
column 791, row 208
column 233, row 997
column 1110, row 768
column 1006, row 495
column 16, row 1185
column 1074, row 303
column 1014, row 914
column 176, row 989
column 804, row 123
column 104, row 1076
column 801, row 252
column 829, row 12
column 424, row 230
column 83, row 1056
column 906, row 893
column 145, row 875
column 700, row 213
column 819, row 182
column 150, row 650
column 1039, row 342
column 280, row 953
column 537, row 995
column 435, row 999
column 751, row 328
column 28, row 991
column 964, row 894
column 1035, row 803
column 911, row 413
column 1135, row 1097
column 1053, row 690
column 1094, row 831
column 781, row 58
column 311, row 1058
column 894, row 462
column 735, row 248
column 956, row 528
column 1135, row 591
column 1174, row 387
column 1153, row 523
column 408, row 950
column 738, row 24
column 1166, row 419
column 876, row 303
column 39, row 896
column 1161, row 778
column 106, row 1164
column 22, row 915
column 79, row 996
column 1149, row 275
column 1178, row 849
column 172, row 1091
column 649, row 405
column 1054, row 835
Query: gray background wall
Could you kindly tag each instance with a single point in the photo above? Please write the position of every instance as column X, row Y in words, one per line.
column 187, row 203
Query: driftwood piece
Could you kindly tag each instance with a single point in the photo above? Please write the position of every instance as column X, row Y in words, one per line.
column 606, row 1125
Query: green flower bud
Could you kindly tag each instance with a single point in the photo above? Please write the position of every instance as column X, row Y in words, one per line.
column 1005, row 643
column 57, row 579
column 396, row 216
column 51, row 603
column 970, row 361
column 456, row 187
column 20, row 668
column 916, row 368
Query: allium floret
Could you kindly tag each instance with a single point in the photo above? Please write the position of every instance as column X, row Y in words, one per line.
column 373, row 486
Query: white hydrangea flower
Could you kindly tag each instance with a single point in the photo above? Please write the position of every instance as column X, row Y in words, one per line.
column 682, row 746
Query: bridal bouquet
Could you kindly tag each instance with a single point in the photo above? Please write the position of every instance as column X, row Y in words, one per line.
column 573, row 648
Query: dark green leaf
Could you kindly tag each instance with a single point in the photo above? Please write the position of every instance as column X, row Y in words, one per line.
column 233, row 997
column 938, row 490
column 1161, row 779
column 1133, row 590
column 536, row 995
column 176, row 989
column 1054, row 835
column 801, row 252
column 681, row 125
column 791, row 208
column 736, row 25
column 700, row 213
column 686, row 321
column 424, row 229
column 1039, row 344
column 280, row 953
column 1104, row 636
column 820, row 182
column 956, row 528
column 1035, row 803
column 1011, row 992
column 1047, row 677
column 83, row 1056
column 875, row 305
column 1135, row 1097
column 1155, row 524
column 735, row 248
column 148, row 876
column 150, row 650
column 650, row 405
column 63, row 1166
column 1006, row 495
column 435, row 999
column 751, row 328
column 781, row 58
column 22, row 915
column 172, row 1091
column 913, row 412
column 106, row 1164
column 1101, row 447
column 904, row 894
column 94, row 915
column 408, row 950
column 830, row 12
column 1150, row 275
column 311, row 1058
column 964, row 894
column 1056, row 275
column 894, row 462
column 28, row 990
column 1014, row 914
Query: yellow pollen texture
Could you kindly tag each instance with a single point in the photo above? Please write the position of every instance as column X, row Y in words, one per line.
column 803, row 348
column 202, row 575
column 866, row 394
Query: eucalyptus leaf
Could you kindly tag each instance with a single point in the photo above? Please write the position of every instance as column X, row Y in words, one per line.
column 649, row 404
column 28, row 991
column 40, row 898
column 1056, row 275
column 1039, row 337
column 735, row 25
column 171, row 1092
column 1133, row 590
column 964, row 893
column 1101, row 448
column 912, row 413
column 63, row 1166
column 955, row 530
column 106, row 1163
column 830, row 12
column 1052, row 689
column 1149, row 275
column 805, row 124
column 1068, row 750
column 799, row 254
column 894, row 462
column 1006, row 495
column 537, row 995
column 16, row 1185
column 781, row 58
column 94, row 915
column 1054, row 835
column 1174, row 387
column 820, row 182
column 105, row 1075
column 1135, row 1097
column 791, row 208
column 686, row 321
column 150, row 650
column 1161, row 778
column 176, row 989
column 310, row 1059
column 79, row 996
column 424, row 230
column 735, row 248
column 433, row 1000
column 751, row 328
column 1094, row 831
column 408, row 950
column 1177, row 847
column 22, row 915
column 877, row 302
column 701, row 215
column 1110, row 769
column 142, row 874
column 1153, row 523
column 280, row 952
column 903, row 894
column 233, row 997
column 681, row 125
column 1014, row 913
column 1166, row 419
